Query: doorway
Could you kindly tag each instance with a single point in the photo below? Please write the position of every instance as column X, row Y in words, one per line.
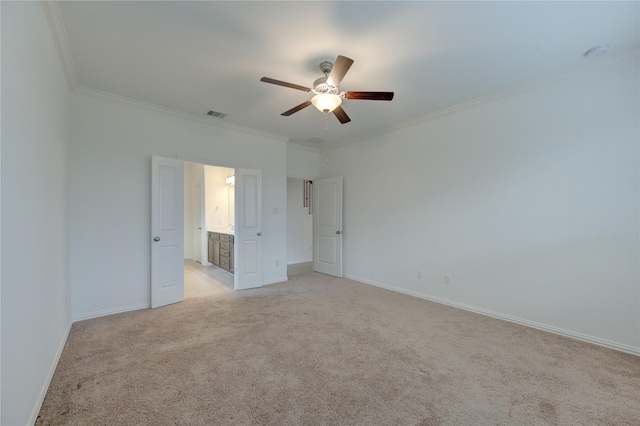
column 201, row 280
column 209, row 205
column 314, row 226
column 167, row 228
column 299, row 227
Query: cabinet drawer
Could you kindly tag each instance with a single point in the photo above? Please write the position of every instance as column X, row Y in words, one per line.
column 215, row 236
column 224, row 253
column 226, row 238
column 226, row 246
column 224, row 263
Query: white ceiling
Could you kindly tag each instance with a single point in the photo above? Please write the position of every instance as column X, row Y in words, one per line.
column 201, row 56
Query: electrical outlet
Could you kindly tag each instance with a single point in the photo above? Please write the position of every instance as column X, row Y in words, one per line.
column 447, row 279
column 419, row 274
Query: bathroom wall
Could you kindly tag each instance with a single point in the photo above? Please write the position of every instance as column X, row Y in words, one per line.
column 218, row 199
column 193, row 174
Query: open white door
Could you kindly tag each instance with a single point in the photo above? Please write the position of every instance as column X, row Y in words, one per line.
column 199, row 231
column 327, row 226
column 248, row 229
column 167, row 231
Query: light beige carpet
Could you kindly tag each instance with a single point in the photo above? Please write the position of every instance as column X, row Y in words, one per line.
column 323, row 351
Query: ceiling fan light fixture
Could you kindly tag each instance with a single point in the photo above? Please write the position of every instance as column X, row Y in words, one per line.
column 326, row 102
column 327, row 97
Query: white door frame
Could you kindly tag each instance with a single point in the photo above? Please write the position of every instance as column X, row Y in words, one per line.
column 200, row 232
column 180, row 202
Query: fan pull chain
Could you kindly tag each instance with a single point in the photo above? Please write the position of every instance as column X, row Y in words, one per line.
column 326, row 123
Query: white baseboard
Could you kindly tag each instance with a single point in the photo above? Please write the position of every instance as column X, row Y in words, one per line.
column 96, row 314
column 544, row 327
column 299, row 268
column 275, row 280
column 52, row 369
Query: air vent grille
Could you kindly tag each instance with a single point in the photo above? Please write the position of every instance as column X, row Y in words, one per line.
column 216, row 114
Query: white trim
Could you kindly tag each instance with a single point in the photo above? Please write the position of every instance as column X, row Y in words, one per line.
column 303, row 177
column 313, row 149
column 102, row 313
column 207, row 162
column 60, row 40
column 532, row 324
column 299, row 268
column 634, row 54
column 174, row 112
column 275, row 281
column 47, row 382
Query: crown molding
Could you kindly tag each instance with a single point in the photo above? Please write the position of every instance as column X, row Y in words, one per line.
column 313, row 149
column 54, row 19
column 59, row 34
column 176, row 113
column 625, row 56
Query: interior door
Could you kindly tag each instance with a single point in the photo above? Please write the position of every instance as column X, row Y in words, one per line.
column 327, row 226
column 167, row 231
column 248, row 229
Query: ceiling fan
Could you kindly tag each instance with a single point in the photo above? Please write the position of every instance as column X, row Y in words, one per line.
column 327, row 96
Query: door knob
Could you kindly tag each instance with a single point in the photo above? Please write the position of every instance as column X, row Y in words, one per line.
column 259, row 233
column 156, row 239
column 338, row 232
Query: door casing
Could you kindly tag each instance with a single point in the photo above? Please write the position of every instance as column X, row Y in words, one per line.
column 239, row 254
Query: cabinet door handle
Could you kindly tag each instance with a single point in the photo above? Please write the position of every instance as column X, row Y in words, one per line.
column 338, row 232
column 259, row 233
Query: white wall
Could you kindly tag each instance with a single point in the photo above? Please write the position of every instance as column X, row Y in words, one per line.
column 110, row 169
column 302, row 162
column 35, row 257
column 192, row 177
column 530, row 202
column 299, row 224
column 219, row 217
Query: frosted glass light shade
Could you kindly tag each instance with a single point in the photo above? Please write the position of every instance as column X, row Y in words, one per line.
column 326, row 102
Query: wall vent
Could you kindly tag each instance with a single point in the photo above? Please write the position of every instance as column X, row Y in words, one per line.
column 216, row 114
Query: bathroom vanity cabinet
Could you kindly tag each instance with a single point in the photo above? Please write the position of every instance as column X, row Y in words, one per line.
column 221, row 250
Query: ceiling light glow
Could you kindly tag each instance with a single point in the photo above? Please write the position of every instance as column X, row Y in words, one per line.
column 326, row 102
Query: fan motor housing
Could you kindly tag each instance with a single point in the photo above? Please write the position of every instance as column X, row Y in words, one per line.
column 326, row 67
column 320, row 86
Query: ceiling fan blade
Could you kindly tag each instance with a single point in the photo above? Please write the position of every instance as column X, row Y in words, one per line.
column 296, row 108
column 341, row 115
column 340, row 68
column 372, row 96
column 285, row 84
